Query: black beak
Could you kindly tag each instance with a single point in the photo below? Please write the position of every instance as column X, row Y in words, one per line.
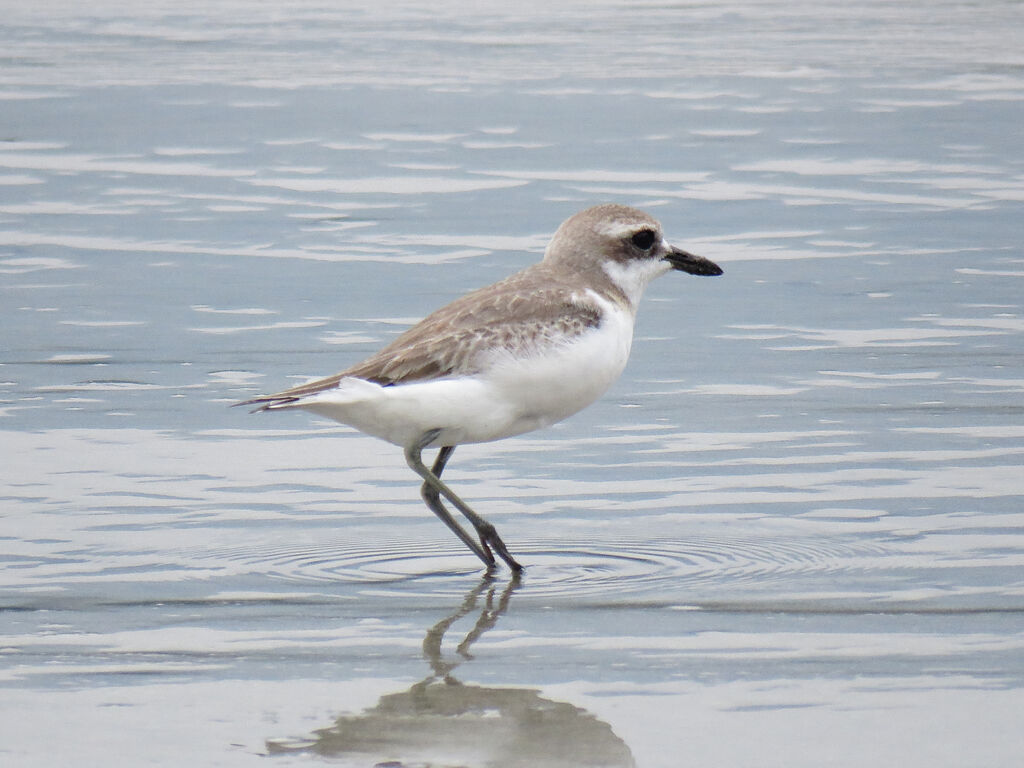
column 695, row 265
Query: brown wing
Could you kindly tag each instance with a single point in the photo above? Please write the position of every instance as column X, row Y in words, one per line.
column 455, row 339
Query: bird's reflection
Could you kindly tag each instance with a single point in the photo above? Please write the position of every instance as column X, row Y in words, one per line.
column 440, row 721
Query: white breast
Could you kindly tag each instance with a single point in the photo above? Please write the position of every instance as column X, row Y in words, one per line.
column 546, row 388
column 513, row 395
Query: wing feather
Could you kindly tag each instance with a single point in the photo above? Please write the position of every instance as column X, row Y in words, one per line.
column 459, row 338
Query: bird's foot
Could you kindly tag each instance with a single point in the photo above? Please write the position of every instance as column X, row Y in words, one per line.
column 489, row 539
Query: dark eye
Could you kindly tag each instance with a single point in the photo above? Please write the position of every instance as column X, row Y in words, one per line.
column 644, row 239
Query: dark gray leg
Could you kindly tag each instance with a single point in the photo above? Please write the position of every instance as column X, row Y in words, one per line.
column 433, row 501
column 432, row 490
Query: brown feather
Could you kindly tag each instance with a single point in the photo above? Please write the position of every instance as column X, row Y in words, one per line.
column 455, row 339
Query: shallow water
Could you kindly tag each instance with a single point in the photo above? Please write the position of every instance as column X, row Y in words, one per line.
column 792, row 534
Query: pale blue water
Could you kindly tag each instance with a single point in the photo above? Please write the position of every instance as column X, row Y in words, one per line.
column 791, row 535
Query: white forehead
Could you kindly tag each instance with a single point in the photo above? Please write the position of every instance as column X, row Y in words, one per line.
column 617, row 228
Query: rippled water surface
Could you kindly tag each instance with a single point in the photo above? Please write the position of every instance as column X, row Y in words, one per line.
column 791, row 535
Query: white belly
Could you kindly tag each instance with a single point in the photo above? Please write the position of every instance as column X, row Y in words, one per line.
column 513, row 396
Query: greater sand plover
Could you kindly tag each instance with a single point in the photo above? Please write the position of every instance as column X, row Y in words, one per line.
column 515, row 356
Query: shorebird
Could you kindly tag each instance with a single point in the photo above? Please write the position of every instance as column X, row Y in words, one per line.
column 506, row 359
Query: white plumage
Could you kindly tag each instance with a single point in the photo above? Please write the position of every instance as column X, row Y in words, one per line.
column 515, row 356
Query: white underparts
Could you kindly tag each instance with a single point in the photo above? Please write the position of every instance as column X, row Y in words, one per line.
column 511, row 396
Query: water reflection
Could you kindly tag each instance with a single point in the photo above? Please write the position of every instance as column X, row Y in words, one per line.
column 467, row 724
